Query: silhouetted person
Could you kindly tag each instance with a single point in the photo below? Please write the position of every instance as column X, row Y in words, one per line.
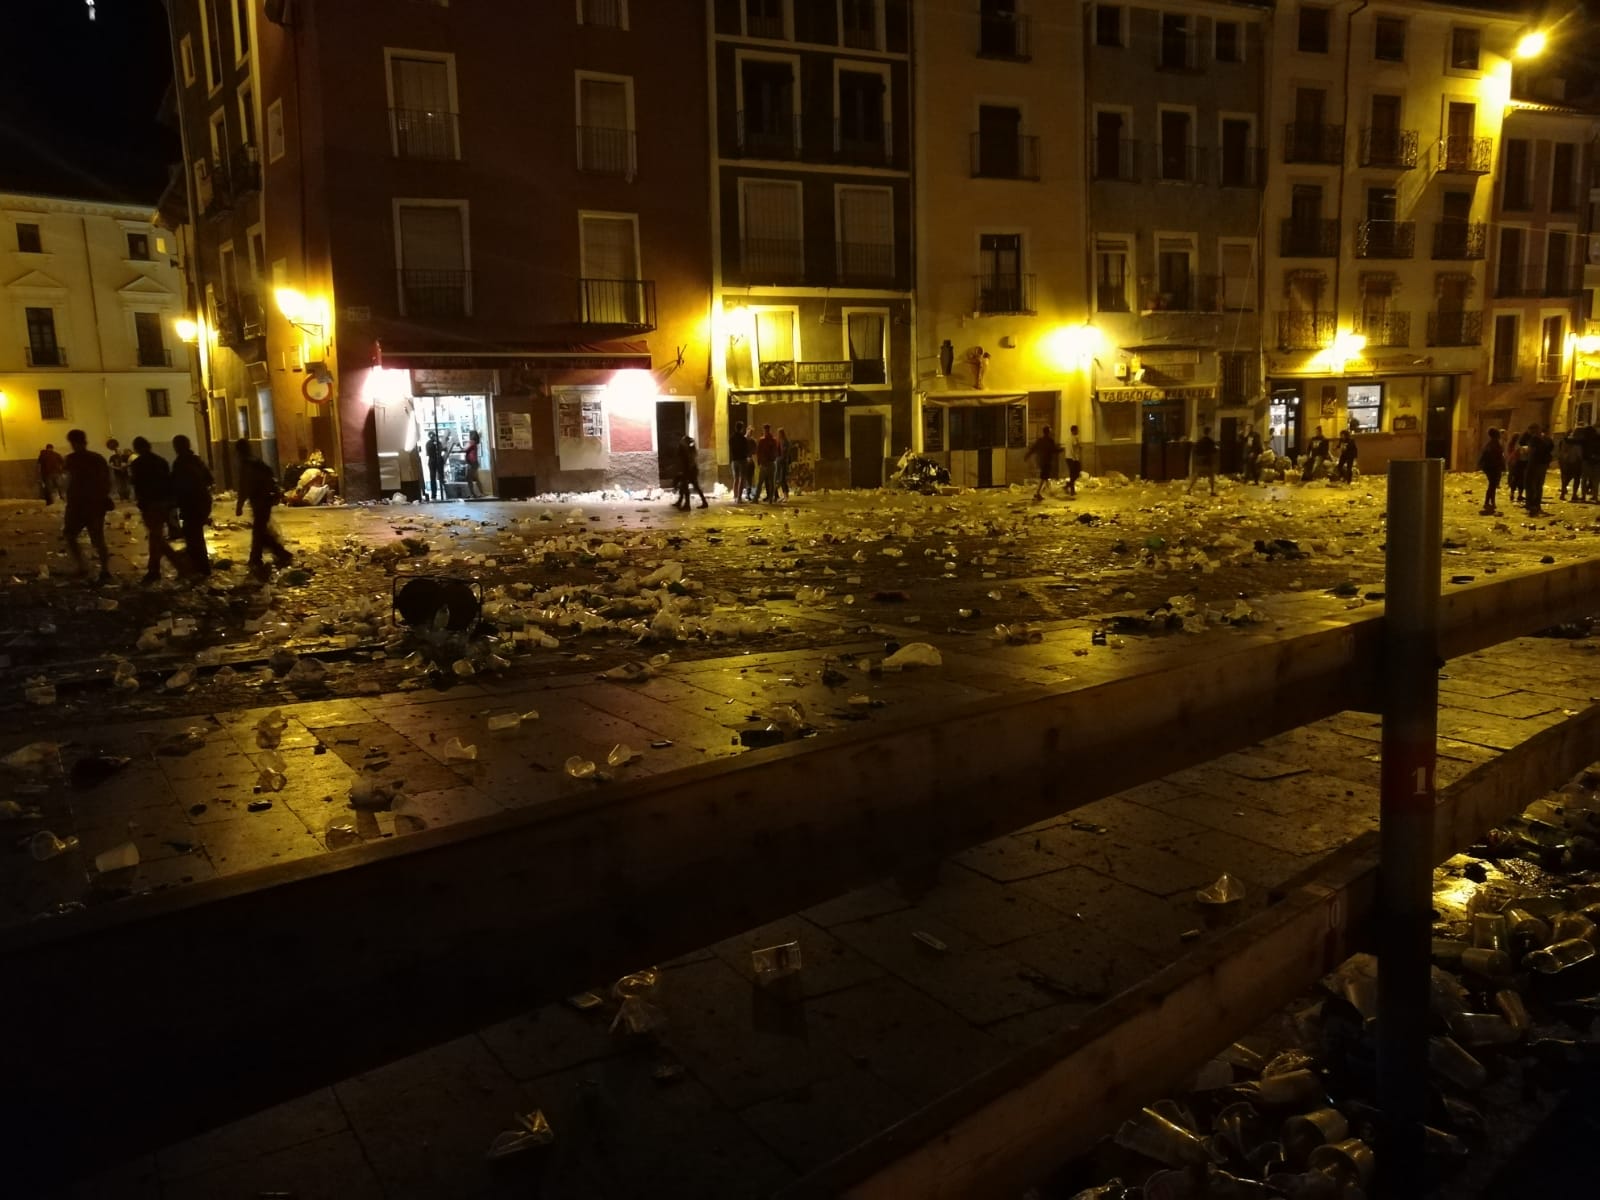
column 1074, row 449
column 689, row 472
column 1492, row 462
column 436, row 456
column 1538, row 449
column 51, row 469
column 88, row 501
column 152, row 492
column 1204, row 460
column 191, row 493
column 118, row 460
column 767, row 465
column 474, row 455
column 1044, row 451
column 258, row 487
column 1347, row 456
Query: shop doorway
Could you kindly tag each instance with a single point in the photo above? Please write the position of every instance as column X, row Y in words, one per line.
column 1441, row 418
column 672, row 422
column 454, row 419
column 1284, row 416
column 1164, row 449
column 866, row 451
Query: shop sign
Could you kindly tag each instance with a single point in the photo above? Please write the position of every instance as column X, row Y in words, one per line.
column 1141, row 395
column 822, row 374
column 433, row 382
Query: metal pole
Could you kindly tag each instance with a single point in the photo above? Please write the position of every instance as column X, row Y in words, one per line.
column 1405, row 876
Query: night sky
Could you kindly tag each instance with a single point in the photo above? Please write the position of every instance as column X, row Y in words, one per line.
column 80, row 99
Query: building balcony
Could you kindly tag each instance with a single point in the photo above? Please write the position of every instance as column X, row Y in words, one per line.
column 628, row 304
column 435, row 293
column 1114, row 159
column 995, row 157
column 424, row 133
column 245, row 170
column 1386, row 239
column 46, row 356
column 1459, row 240
column 1463, row 155
column 1004, row 35
column 1390, row 149
column 606, row 151
column 1305, row 331
column 1196, row 294
column 762, row 136
column 1391, row 330
column 1244, row 167
column 997, row 295
column 154, row 356
column 866, row 263
column 1304, row 143
column 1455, row 328
column 1515, row 282
column 856, row 146
column 1112, row 297
column 1309, row 238
column 773, row 260
column 1179, row 164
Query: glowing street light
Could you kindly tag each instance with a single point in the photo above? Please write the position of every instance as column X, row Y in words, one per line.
column 1531, row 45
column 188, row 331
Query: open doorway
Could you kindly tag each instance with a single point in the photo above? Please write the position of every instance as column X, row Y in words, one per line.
column 1284, row 418
column 454, row 419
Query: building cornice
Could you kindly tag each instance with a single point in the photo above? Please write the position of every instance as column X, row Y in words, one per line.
column 31, row 202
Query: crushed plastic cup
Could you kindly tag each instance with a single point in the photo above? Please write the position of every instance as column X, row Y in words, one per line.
column 455, row 751
column 42, row 694
column 341, row 832
column 773, row 963
column 1226, row 890
column 505, row 722
column 1293, row 1089
column 462, row 668
column 1558, row 956
column 1493, row 964
column 118, row 858
column 533, row 1130
column 306, row 672
column 270, row 780
column 1304, row 1132
column 1448, row 1058
column 125, row 677
column 36, row 758
column 269, row 729
column 1351, row 1160
column 579, row 767
column 45, row 845
column 620, row 756
column 1153, row 1136
column 915, row 654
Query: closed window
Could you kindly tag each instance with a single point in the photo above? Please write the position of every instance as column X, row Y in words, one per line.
column 866, row 233
column 607, row 14
column 1552, row 347
column 777, row 343
column 865, row 334
column 1237, row 263
column 210, row 46
column 1364, row 404
column 1505, row 348
column 605, row 126
column 766, row 18
column 1176, row 51
column 1229, row 42
column 1000, row 273
column 859, row 24
column 435, row 279
column 1177, row 156
column 43, row 349
column 773, row 243
column 158, row 402
column 1313, row 30
column 139, row 247
column 186, row 57
column 148, row 339
column 1174, row 274
column 52, row 404
column 422, row 105
column 1563, row 176
column 610, row 251
column 1111, row 276
column 1464, row 48
column 241, row 30
column 276, row 145
column 28, row 240
column 1389, row 39
column 1108, row 25
column 1514, row 190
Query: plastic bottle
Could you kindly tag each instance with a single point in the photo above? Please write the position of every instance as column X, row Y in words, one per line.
column 1558, row 956
column 45, row 845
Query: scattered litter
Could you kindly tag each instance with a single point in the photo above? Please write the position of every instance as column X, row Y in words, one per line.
column 95, row 769
column 454, row 751
column 579, row 767
column 620, row 756
column 776, row 962
column 1226, row 890
column 928, row 940
column 533, row 1130
column 45, row 845
column 118, row 858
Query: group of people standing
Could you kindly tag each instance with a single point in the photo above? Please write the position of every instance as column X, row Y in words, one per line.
column 1524, row 460
column 1045, row 450
column 438, row 453
column 175, row 495
column 760, row 464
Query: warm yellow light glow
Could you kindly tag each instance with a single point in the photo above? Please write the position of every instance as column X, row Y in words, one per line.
column 741, row 322
column 188, row 331
column 632, row 393
column 1531, row 45
column 291, row 303
column 1073, row 347
column 1347, row 344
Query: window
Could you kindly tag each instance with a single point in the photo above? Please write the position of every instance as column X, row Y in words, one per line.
column 608, row 247
column 1002, row 31
column 862, row 132
column 1514, row 191
column 257, row 248
column 1174, row 288
column 1363, row 402
column 275, row 139
column 1000, row 280
column 605, row 125
column 1313, row 32
column 859, row 26
column 1238, row 158
column 432, row 256
column 1389, row 39
column 186, row 57
column 1508, row 280
column 1001, row 150
column 28, row 239
column 865, row 342
column 157, row 402
column 774, row 247
column 52, row 404
column 1228, row 43
column 422, row 89
column 1177, row 155
column 866, row 233
column 1505, row 349
column 1113, row 149
column 43, row 349
column 606, row 14
column 777, row 343
column 1236, row 371
column 1236, row 262
column 211, row 47
column 1558, row 263
column 769, row 115
column 1176, row 51
column 1563, row 175
column 1111, row 257
column 241, row 30
column 766, row 19
column 1108, row 25
column 1464, row 48
column 139, row 247
column 1552, row 347
column 247, row 116
column 219, row 138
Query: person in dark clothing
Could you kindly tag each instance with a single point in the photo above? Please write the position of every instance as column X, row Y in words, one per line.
column 1492, row 462
column 736, row 459
column 1044, row 451
column 118, row 460
column 474, row 456
column 767, row 465
column 191, row 493
column 51, row 468
column 88, row 501
column 785, row 457
column 689, row 473
column 1516, row 466
column 259, row 488
column 152, row 492
column 1347, row 456
column 750, row 463
column 1252, row 456
column 1316, row 456
column 1204, row 462
column 435, row 467
column 1538, row 450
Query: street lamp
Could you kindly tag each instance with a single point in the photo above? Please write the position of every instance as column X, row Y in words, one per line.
column 188, row 331
column 1531, row 45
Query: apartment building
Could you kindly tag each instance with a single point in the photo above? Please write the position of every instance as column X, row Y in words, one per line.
column 1002, row 329
column 1536, row 269
column 89, row 292
column 812, row 231
column 450, row 242
column 1379, row 208
column 1174, row 182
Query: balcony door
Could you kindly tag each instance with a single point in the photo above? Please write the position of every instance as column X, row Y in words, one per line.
column 1508, row 277
column 773, row 246
column 999, row 141
column 863, row 129
column 1384, row 131
column 1236, row 164
column 1000, row 264
column 434, row 280
column 1557, row 263
column 769, row 108
column 1460, row 127
column 147, row 333
column 43, row 349
column 1110, row 128
column 424, row 114
column 610, row 266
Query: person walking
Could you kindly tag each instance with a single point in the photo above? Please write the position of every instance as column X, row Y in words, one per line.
column 435, row 467
column 736, row 460
column 1252, row 456
column 258, row 487
column 1203, row 461
column 1074, row 449
column 785, row 457
column 1569, row 458
column 1347, row 456
column 1044, row 451
column 191, row 494
column 1539, row 450
column 117, row 459
column 51, row 468
column 689, row 473
column 1516, row 466
column 474, row 456
column 767, row 465
column 1316, row 457
column 152, row 492
column 750, row 463
column 88, row 501
column 1492, row 462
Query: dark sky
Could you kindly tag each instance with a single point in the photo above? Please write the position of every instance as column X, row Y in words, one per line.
column 79, row 99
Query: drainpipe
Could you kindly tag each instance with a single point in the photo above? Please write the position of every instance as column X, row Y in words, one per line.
column 1344, row 158
column 94, row 309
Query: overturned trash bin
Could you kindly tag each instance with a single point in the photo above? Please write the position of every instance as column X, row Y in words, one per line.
column 437, row 602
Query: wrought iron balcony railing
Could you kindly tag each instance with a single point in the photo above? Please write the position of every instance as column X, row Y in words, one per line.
column 424, row 133
column 859, row 146
column 1452, row 328
column 773, row 259
column 603, row 150
column 436, row 293
column 996, row 294
column 1241, row 167
column 1389, row 329
column 1306, row 143
column 1392, row 148
column 1305, row 331
column 618, row 303
column 1386, row 239
column 1004, row 35
column 1462, row 240
column 768, row 136
column 1179, row 163
column 1114, row 159
column 1458, row 154
column 866, row 262
column 1009, row 157
column 46, row 356
column 1309, row 237
column 154, row 356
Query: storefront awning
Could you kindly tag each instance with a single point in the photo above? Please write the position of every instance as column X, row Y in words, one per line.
column 789, row 395
column 965, row 399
